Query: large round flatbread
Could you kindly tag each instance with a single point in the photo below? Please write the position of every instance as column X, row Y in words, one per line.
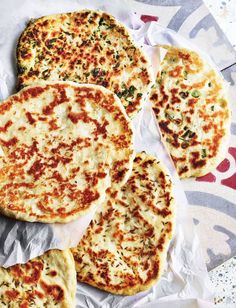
column 86, row 47
column 124, row 248
column 61, row 145
column 191, row 107
column 46, row 281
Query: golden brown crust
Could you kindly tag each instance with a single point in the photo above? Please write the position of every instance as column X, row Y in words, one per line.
column 86, row 47
column 61, row 146
column 46, row 281
column 124, row 248
column 191, row 107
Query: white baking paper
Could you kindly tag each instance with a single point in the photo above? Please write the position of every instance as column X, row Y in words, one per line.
column 185, row 282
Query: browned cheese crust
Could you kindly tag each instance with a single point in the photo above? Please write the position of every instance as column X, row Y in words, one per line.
column 85, row 47
column 190, row 103
column 46, row 281
column 124, row 248
column 61, row 145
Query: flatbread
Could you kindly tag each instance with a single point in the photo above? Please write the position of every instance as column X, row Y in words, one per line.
column 61, row 146
column 124, row 248
column 46, row 281
column 86, row 47
column 191, row 107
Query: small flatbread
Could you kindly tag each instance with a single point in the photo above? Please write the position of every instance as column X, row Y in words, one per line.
column 46, row 281
column 86, row 47
column 61, row 146
column 124, row 248
column 191, row 107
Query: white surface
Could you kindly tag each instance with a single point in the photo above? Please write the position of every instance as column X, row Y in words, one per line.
column 223, row 278
column 224, row 12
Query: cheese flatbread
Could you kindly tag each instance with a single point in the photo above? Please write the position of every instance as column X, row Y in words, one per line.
column 124, row 248
column 190, row 103
column 61, row 146
column 46, row 281
column 86, row 47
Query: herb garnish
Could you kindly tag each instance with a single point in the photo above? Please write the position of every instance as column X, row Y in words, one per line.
column 173, row 119
column 188, row 134
column 98, row 72
column 185, row 75
column 184, row 94
column 204, row 154
column 127, row 92
column 50, row 42
column 195, row 93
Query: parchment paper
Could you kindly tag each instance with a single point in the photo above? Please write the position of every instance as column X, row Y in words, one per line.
column 185, row 282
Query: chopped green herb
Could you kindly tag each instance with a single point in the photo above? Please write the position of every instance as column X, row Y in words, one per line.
column 139, row 94
column 185, row 75
column 195, row 93
column 127, row 92
column 188, row 134
column 116, row 65
column 67, row 33
column 110, row 26
column 184, row 94
column 101, row 21
column 168, row 116
column 212, row 108
column 45, row 73
column 173, row 60
column 65, row 77
column 209, row 84
column 183, row 139
column 131, row 90
column 173, row 119
column 204, row 154
column 95, row 72
column 52, row 40
column 108, row 42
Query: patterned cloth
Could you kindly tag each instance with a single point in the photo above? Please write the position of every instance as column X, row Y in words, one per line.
column 212, row 198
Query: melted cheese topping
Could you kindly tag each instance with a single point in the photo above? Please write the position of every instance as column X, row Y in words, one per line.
column 87, row 47
column 191, row 107
column 62, row 144
column 124, row 248
column 46, row 281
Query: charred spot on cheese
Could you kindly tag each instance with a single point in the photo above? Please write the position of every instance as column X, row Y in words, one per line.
column 190, row 103
column 123, row 248
column 86, row 47
column 60, row 159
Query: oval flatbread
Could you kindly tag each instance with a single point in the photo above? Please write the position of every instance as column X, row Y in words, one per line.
column 86, row 47
column 61, row 145
column 46, row 281
column 190, row 103
column 124, row 248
